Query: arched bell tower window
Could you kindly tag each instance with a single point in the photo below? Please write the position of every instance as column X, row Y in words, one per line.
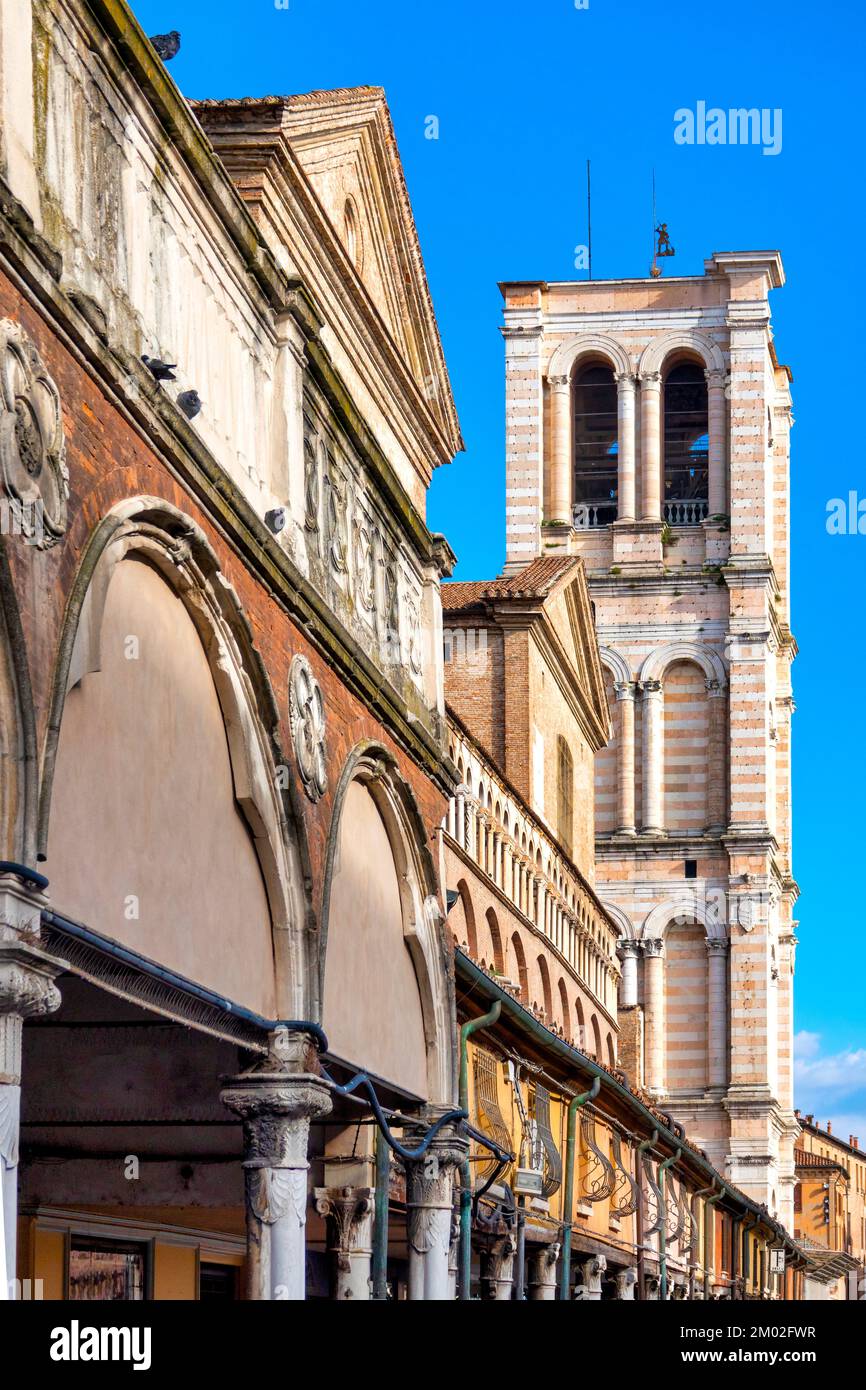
column 595, row 445
column 687, row 445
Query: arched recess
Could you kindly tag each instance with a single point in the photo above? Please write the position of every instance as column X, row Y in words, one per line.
column 596, row 1038
column 658, row 661
column 470, row 930
column 495, row 941
column 19, row 775
column 585, row 345
column 611, row 1051
column 161, row 705
column 686, row 1008
column 686, row 749
column 520, row 977
column 564, row 1009
column 687, row 907
column 678, row 344
column 546, row 993
column 386, row 994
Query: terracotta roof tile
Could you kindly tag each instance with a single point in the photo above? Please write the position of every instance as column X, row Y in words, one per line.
column 535, row 581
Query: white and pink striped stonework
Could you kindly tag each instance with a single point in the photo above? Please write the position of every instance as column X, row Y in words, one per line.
column 693, row 823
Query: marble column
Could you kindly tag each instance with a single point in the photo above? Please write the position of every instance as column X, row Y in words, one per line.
column 460, row 827
column 625, row 692
column 716, row 418
column 498, row 1268
column 27, row 990
column 651, row 446
column 717, row 1008
column 654, row 1004
column 276, row 1099
column 542, row 1273
column 560, row 416
column 717, row 744
column 429, row 1203
column 628, row 952
column 349, row 1215
column 625, row 398
column 653, row 757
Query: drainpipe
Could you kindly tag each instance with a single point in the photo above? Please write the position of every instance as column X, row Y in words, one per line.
column 708, row 1236
column 638, row 1165
column 520, row 1257
column 573, row 1106
column 465, row 1267
column 702, row 1192
column 663, row 1229
column 380, row 1220
column 747, row 1227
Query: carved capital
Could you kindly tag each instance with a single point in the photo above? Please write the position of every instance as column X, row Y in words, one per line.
column 716, row 948
column 429, row 1188
column 559, row 383
column 651, row 381
column 624, row 690
column 653, row 947
column 27, row 990
column 346, row 1210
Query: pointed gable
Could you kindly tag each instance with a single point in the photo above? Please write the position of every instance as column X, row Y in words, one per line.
column 322, row 170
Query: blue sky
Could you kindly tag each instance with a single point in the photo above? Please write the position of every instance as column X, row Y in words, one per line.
column 524, row 94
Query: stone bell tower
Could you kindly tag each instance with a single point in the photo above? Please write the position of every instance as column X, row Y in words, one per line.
column 647, row 426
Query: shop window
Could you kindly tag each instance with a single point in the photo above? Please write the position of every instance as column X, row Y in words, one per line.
column 106, row 1271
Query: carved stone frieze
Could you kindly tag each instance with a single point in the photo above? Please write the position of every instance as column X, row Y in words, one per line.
column 307, row 715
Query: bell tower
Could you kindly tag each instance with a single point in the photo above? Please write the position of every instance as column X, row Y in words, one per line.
column 647, row 431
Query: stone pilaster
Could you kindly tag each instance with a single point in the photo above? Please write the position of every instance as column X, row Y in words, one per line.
column 276, row 1100
column 718, row 450
column 625, row 693
column 653, row 757
column 717, row 1008
column 349, row 1215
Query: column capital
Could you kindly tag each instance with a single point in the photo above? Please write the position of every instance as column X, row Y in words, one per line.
column 559, row 383
column 650, row 380
column 653, row 947
column 626, row 380
column 716, row 947
column 624, row 690
column 628, row 947
column 716, row 377
column 715, row 688
column 27, row 990
column 650, row 688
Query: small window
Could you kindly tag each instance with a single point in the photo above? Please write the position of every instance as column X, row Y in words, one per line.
column 691, row 868
column 218, row 1283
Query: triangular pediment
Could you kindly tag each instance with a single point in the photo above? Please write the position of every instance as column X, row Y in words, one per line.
column 343, row 175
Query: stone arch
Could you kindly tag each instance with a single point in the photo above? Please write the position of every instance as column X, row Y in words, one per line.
column 616, row 663
column 469, row 918
column 569, row 353
column 686, row 908
column 611, row 1051
column 520, row 960
column 546, row 992
column 166, row 540
column 657, row 352
column 496, row 939
column 371, row 773
column 622, row 920
column 596, row 1037
column 564, row 1008
column 658, row 661
column 19, row 785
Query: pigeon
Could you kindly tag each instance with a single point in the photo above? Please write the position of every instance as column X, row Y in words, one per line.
column 163, row 371
column 190, row 403
column 166, row 45
column 276, row 519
